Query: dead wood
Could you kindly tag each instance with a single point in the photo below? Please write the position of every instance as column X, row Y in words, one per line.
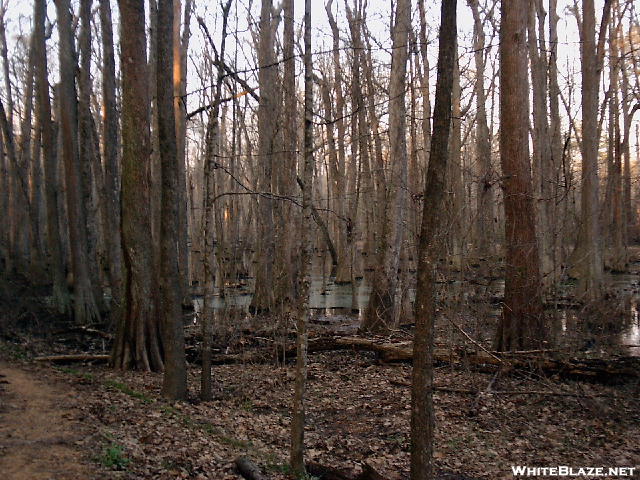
column 248, row 469
column 545, row 361
column 73, row 358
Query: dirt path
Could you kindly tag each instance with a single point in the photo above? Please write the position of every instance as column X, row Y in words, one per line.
column 39, row 429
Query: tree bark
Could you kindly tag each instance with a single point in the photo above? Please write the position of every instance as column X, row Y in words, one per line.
column 170, row 303
column 84, row 302
column 137, row 343
column 296, row 458
column 263, row 297
column 110, row 142
column 422, row 412
column 521, row 324
column 382, row 310
column 587, row 256
column 61, row 298
column 484, row 190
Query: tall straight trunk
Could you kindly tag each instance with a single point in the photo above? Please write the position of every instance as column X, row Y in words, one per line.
column 484, row 191
column 263, row 297
column 17, row 193
column 587, row 256
column 456, row 197
column 355, row 170
column 521, row 324
column 212, row 148
column 92, row 175
column 381, row 312
column 5, row 223
column 137, row 343
column 19, row 201
column 542, row 160
column 555, row 131
column 29, row 166
column 110, row 146
column 298, row 414
column 429, row 247
column 617, row 249
column 180, row 49
column 627, row 112
column 284, row 177
column 6, row 68
column 424, row 84
column 175, row 372
column 338, row 173
column 37, row 238
column 51, row 181
column 156, row 196
column 84, row 301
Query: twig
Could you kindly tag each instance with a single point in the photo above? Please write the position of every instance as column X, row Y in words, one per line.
column 475, row 342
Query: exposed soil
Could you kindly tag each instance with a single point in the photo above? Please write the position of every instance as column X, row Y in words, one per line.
column 41, row 434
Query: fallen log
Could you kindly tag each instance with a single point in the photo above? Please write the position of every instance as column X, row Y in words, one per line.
column 248, row 469
column 550, row 362
column 73, row 358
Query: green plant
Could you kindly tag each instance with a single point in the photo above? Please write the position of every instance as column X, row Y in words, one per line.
column 13, row 351
column 77, row 373
column 247, row 405
column 128, row 391
column 114, row 458
column 307, row 476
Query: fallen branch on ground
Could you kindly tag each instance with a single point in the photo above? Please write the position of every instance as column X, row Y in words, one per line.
column 73, row 358
column 399, row 352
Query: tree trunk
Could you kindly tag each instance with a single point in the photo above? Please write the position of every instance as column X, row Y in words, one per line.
column 587, row 256
column 541, row 141
column 382, row 310
column 43, row 111
column 92, row 175
column 84, row 301
column 521, row 324
column 484, row 190
column 180, row 50
column 110, row 142
column 263, row 297
column 212, row 148
column 170, row 303
column 298, row 414
column 137, row 343
column 429, row 246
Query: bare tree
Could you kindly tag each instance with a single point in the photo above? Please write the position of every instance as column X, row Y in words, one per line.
column 84, row 301
column 429, row 247
column 521, row 324
column 137, row 343
column 298, row 415
column 268, row 108
column 212, row 149
column 382, row 309
column 587, row 256
column 110, row 143
column 170, row 301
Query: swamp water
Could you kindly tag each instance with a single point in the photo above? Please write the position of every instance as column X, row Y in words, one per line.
column 341, row 306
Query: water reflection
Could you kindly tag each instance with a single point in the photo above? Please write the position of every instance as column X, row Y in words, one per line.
column 616, row 325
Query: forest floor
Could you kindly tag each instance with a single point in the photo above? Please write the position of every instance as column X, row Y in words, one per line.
column 93, row 422
column 89, row 421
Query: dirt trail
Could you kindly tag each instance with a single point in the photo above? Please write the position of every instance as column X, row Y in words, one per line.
column 39, row 429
